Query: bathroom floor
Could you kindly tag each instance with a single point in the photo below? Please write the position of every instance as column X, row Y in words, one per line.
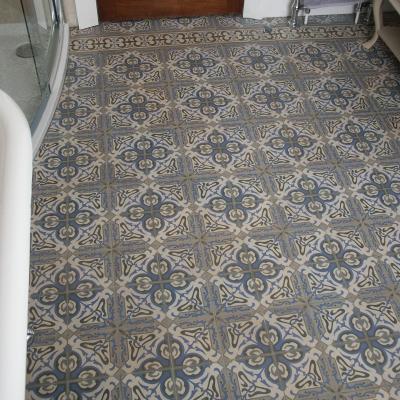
column 216, row 215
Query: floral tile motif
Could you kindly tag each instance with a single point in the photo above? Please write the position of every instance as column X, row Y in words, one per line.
column 68, row 293
column 153, row 154
column 315, row 57
column 378, row 189
column 141, row 107
column 271, row 355
column 158, row 287
column 364, row 341
column 71, row 162
column 215, row 215
column 82, row 72
column 224, row 148
column 77, row 113
column 336, row 95
column 126, row 27
column 358, row 137
column 194, row 63
column 251, row 273
column 121, row 69
column 62, row 222
column 197, row 103
column 272, row 99
column 290, row 142
column 385, row 91
column 333, row 264
column 179, row 369
column 151, row 212
column 184, row 23
column 375, row 59
column 233, row 204
column 70, row 371
column 262, row 60
column 315, row 197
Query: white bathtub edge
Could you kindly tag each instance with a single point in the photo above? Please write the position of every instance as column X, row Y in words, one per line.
column 15, row 216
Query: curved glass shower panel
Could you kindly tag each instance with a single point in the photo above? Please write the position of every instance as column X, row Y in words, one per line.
column 42, row 23
column 28, row 39
column 18, row 75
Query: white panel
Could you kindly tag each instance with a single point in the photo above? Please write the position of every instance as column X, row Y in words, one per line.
column 86, row 11
column 270, row 8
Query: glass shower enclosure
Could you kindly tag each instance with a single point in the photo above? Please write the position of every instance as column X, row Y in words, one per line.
column 29, row 51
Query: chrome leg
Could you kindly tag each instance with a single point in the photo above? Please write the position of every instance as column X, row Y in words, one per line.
column 358, row 12
column 295, row 13
column 307, row 12
column 369, row 13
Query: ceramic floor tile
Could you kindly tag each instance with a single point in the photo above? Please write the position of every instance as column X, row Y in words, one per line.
column 216, row 215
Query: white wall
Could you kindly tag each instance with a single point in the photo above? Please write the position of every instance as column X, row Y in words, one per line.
column 86, row 12
column 82, row 13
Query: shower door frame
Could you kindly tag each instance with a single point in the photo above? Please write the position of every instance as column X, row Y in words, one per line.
column 58, row 55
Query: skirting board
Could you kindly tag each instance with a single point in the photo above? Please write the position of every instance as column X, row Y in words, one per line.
column 57, row 81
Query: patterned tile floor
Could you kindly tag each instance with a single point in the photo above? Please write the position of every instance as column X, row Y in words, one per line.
column 216, row 216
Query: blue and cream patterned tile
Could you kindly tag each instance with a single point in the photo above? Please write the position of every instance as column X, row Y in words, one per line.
column 181, row 368
column 184, row 23
column 68, row 162
column 360, row 138
column 388, row 238
column 153, row 155
column 334, row 264
column 127, row 68
column 257, row 60
column 276, row 98
column 363, row 340
column 219, row 149
column 157, row 287
column 82, row 72
column 151, row 213
column 235, row 205
column 270, row 354
column 315, row 58
column 384, row 90
column 77, row 114
column 68, row 371
column 290, row 143
column 312, row 196
column 141, row 107
column 201, row 233
column 126, row 27
column 195, row 362
column 377, row 188
column 195, row 63
column 70, row 300
column 376, row 59
column 336, row 95
column 62, row 221
column 252, row 272
column 205, row 103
